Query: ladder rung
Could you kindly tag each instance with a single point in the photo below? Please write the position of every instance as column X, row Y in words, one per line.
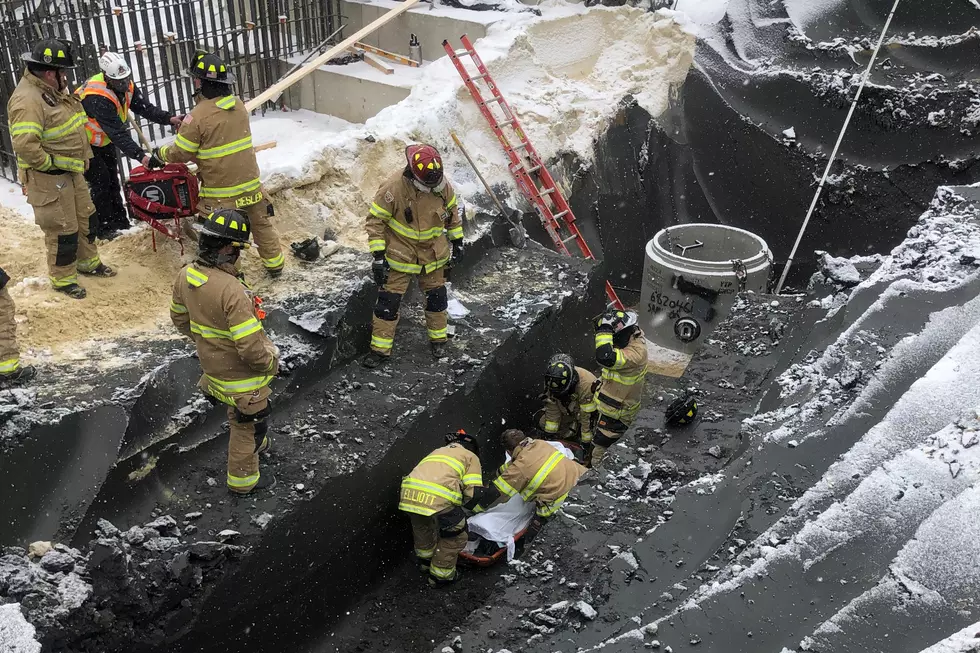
column 561, row 215
column 547, row 191
column 531, row 171
column 493, row 99
column 480, row 76
column 519, row 146
column 460, row 53
column 569, row 239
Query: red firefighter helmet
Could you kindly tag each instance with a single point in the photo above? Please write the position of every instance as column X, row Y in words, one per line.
column 425, row 163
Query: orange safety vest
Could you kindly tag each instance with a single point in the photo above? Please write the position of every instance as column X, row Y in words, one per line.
column 97, row 86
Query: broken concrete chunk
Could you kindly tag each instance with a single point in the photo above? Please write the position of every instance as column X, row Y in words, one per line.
column 227, row 534
column 108, row 528
column 161, row 544
column 262, row 520
column 715, row 452
column 165, row 525
column 38, row 549
column 211, row 550
column 193, row 515
column 586, row 610
column 56, row 561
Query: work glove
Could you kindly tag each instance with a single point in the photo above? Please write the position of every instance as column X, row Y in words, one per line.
column 458, row 249
column 152, row 161
column 604, row 324
column 380, row 269
column 158, row 156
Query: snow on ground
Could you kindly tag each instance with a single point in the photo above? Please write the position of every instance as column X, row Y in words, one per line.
column 16, row 634
column 703, row 12
column 965, row 641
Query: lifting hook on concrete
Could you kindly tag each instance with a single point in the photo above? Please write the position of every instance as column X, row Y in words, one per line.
column 684, row 248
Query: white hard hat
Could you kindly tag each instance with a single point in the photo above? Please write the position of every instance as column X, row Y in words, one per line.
column 114, row 66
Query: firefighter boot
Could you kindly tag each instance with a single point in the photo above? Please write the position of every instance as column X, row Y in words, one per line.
column 444, row 582
column 20, row 376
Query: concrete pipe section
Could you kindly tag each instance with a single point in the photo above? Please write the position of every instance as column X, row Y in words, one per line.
column 691, row 275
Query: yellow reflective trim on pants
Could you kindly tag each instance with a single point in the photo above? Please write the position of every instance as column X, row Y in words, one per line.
column 68, row 163
column 542, row 474
column 442, row 573
column 504, row 487
column 412, row 234
column 243, row 482
column 275, row 262
column 446, row 460
column 437, row 334
column 221, row 389
column 416, row 510
column 473, row 479
column 379, row 211
column 186, row 144
column 74, row 122
column 432, row 488
column 424, row 553
column 249, row 186
column 551, row 427
column 177, row 308
column 89, row 264
column 62, row 282
column 455, row 233
column 382, row 343
column 407, row 268
column 586, row 437
column 587, row 408
column 19, row 128
column 10, row 365
column 376, row 245
column 228, row 149
column 246, row 328
column 550, row 508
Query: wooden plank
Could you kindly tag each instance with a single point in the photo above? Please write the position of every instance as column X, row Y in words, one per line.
column 268, row 145
column 405, row 61
column 376, row 61
column 340, row 48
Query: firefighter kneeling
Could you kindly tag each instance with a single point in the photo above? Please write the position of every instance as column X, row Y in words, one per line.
column 213, row 306
column 433, row 494
column 569, row 401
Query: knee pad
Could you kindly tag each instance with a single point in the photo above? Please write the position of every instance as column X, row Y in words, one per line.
column 261, row 430
column 600, row 439
column 67, row 250
column 436, row 300
column 387, row 306
column 258, row 418
column 452, row 522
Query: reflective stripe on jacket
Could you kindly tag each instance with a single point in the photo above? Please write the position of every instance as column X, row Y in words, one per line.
column 47, row 127
column 538, row 472
column 443, row 479
column 621, row 386
column 214, row 308
column 580, row 406
column 96, row 85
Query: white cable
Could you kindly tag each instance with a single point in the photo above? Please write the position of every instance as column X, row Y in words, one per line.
column 833, row 155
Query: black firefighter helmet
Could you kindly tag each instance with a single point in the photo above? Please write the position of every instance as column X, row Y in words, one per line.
column 228, row 225
column 209, row 67
column 560, row 378
column 52, row 53
column 462, row 437
column 681, row 411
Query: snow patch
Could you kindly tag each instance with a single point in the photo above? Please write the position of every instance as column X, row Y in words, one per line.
column 17, row 635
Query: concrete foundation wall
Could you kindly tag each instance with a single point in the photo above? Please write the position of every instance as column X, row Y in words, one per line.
column 344, row 96
column 430, row 26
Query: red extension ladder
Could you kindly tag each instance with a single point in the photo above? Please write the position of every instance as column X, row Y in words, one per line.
column 529, row 172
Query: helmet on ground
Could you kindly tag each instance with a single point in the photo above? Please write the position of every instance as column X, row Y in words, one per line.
column 681, row 411
column 228, row 225
column 560, row 378
column 462, row 437
column 616, row 319
column 209, row 67
column 425, row 163
column 114, row 66
column 52, row 53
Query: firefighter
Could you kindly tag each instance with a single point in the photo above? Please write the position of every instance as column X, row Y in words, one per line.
column 47, row 128
column 11, row 371
column 108, row 98
column 216, row 134
column 407, row 227
column 537, row 472
column 621, row 350
column 569, row 400
column 433, row 494
column 213, row 306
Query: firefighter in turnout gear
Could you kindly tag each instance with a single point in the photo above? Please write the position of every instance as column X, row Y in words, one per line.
column 213, row 306
column 108, row 98
column 11, row 371
column 434, row 494
column 621, row 350
column 537, row 472
column 217, row 136
column 414, row 229
column 569, row 400
column 47, row 128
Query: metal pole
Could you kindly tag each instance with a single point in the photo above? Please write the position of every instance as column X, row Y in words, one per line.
column 833, row 155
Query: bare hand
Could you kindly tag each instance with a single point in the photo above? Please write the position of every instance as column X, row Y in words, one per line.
column 176, row 120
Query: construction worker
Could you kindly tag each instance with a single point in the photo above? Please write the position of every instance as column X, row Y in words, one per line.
column 621, row 350
column 537, row 472
column 213, row 306
column 407, row 227
column 569, row 400
column 216, row 134
column 108, row 98
column 433, row 494
column 11, row 371
column 47, row 128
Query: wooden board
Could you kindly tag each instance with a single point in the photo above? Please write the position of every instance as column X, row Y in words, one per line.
column 397, row 58
column 280, row 86
column 376, row 61
column 268, row 145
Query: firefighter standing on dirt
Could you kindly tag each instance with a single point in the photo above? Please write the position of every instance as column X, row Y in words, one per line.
column 407, row 227
column 569, row 400
column 621, row 350
column 47, row 128
column 217, row 136
column 434, row 494
column 108, row 98
column 537, row 472
column 213, row 306
column 11, row 371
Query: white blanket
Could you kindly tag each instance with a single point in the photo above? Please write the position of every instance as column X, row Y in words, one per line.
column 502, row 522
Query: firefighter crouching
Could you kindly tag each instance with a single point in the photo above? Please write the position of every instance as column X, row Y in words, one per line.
column 213, row 306
column 407, row 227
column 217, row 136
column 569, row 400
column 47, row 128
column 108, row 98
column 621, row 350
column 11, row 371
column 433, row 494
column 537, row 472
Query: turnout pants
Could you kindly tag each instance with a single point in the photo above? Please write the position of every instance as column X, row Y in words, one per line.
column 385, row 320
column 438, row 541
column 9, row 354
column 264, row 232
column 62, row 209
column 248, row 426
column 607, row 433
column 103, row 180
